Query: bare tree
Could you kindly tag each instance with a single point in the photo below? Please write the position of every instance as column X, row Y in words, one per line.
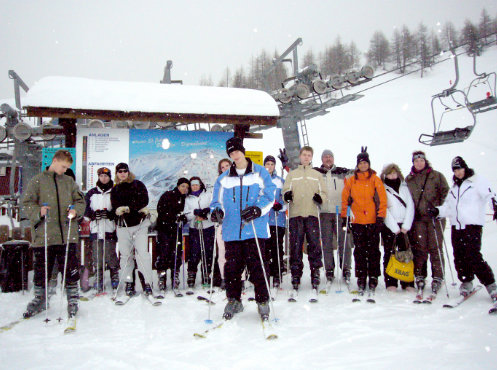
column 353, row 56
column 379, row 50
column 423, row 47
column 449, row 35
column 485, row 25
column 436, row 47
column 206, row 80
column 309, row 58
column 396, row 50
column 239, row 78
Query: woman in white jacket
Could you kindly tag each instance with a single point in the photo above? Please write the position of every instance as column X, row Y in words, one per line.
column 400, row 214
column 466, row 206
column 201, row 231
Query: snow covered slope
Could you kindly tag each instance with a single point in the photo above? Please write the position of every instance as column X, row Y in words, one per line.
column 334, row 333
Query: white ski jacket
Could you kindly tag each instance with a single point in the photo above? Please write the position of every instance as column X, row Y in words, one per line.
column 466, row 204
column 398, row 213
column 193, row 202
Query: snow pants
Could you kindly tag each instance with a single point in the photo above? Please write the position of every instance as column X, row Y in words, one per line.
column 196, row 250
column 98, row 257
column 427, row 239
column 166, row 251
column 367, row 253
column 299, row 228
column 468, row 259
column 332, row 241
column 56, row 252
column 390, row 241
column 220, row 255
column 274, row 248
column 243, row 253
column 133, row 244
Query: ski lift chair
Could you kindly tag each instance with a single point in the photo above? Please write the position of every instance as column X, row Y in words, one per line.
column 488, row 80
column 451, row 100
column 456, row 135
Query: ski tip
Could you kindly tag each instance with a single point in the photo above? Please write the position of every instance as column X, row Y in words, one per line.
column 208, row 321
column 272, row 337
column 83, row 299
column 338, row 291
column 447, row 306
column 198, row 335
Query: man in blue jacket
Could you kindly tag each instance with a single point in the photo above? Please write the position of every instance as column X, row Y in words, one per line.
column 243, row 195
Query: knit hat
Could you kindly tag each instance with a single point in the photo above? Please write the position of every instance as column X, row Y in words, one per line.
column 418, row 154
column 327, row 152
column 458, row 162
column 235, row 143
column 183, row 180
column 105, row 171
column 363, row 155
column 122, row 166
column 269, row 158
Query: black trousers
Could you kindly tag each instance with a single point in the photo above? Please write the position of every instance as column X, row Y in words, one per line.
column 367, row 253
column 299, row 228
column 243, row 253
column 56, row 252
column 468, row 259
column 273, row 249
column 166, row 251
column 390, row 241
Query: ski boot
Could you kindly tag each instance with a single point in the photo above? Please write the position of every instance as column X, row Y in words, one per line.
column 466, row 288
column 330, row 276
column 191, row 279
column 232, row 307
column 295, row 282
column 263, row 309
column 436, row 284
column 130, row 289
column 492, row 290
column 148, row 290
column 373, row 283
column 361, row 285
column 72, row 299
column 162, row 280
column 276, row 282
column 114, row 278
column 37, row 304
column 315, row 278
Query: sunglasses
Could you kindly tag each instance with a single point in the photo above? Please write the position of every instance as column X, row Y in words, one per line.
column 122, row 171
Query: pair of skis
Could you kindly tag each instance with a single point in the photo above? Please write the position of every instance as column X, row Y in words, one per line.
column 361, row 294
column 267, row 329
column 154, row 301
column 294, row 294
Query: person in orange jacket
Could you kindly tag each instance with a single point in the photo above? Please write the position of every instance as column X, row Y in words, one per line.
column 365, row 194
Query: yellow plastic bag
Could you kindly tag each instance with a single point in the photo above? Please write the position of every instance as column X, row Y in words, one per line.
column 400, row 270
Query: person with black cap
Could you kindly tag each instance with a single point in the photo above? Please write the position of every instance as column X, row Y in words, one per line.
column 428, row 189
column 129, row 199
column 242, row 199
column 466, row 207
column 170, row 221
column 277, row 225
column 201, row 231
column 334, row 177
column 102, row 229
column 365, row 194
column 304, row 190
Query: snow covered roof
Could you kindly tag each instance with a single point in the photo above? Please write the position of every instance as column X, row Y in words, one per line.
column 73, row 97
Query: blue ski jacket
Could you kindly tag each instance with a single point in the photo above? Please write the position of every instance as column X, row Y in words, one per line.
column 278, row 197
column 233, row 193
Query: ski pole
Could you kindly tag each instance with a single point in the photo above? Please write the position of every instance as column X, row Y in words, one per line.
column 442, row 262
column 447, row 253
column 209, row 321
column 63, row 285
column 180, row 225
column 46, row 265
column 103, row 253
column 263, row 270
column 338, row 262
column 183, row 262
column 277, row 246
column 344, row 245
column 203, row 263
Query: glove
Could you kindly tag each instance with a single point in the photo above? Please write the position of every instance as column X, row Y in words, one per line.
column 144, row 211
column 217, row 215
column 317, row 198
column 181, row 218
column 379, row 224
column 277, row 207
column 283, row 157
column 98, row 214
column 344, row 223
column 432, row 211
column 288, row 197
column 105, row 214
column 122, row 210
column 197, row 212
column 494, row 203
column 205, row 213
column 250, row 213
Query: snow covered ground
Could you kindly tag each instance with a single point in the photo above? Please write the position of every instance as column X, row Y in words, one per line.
column 334, row 333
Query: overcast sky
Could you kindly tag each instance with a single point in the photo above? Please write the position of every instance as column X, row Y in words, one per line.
column 132, row 40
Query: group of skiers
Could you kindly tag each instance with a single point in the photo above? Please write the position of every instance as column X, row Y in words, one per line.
column 243, row 222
